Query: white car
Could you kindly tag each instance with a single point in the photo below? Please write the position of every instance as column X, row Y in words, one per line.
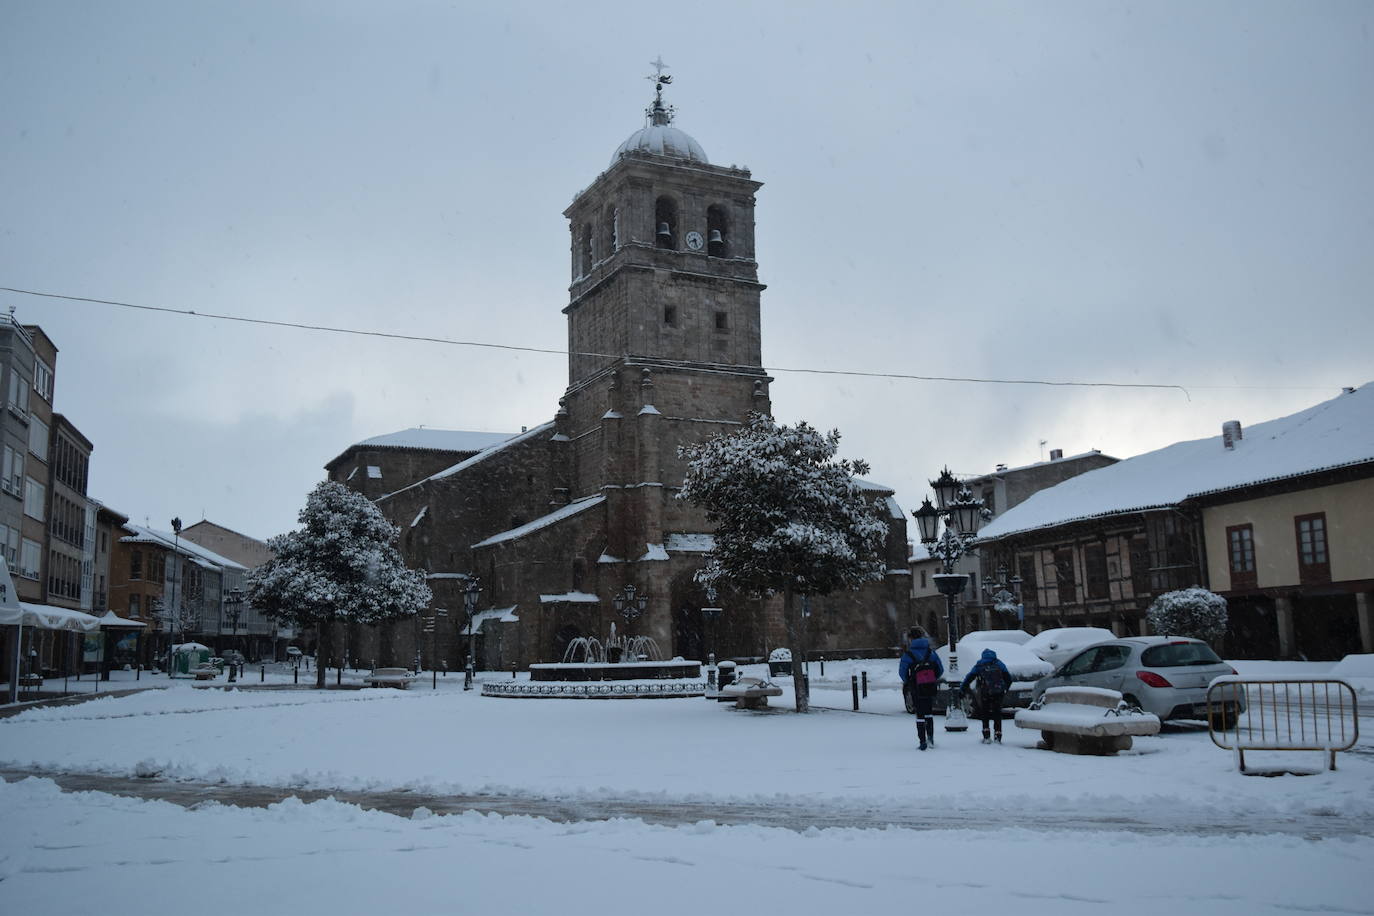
column 1060, row 644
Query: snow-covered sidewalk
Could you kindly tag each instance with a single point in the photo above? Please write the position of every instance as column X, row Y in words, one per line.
column 330, row 856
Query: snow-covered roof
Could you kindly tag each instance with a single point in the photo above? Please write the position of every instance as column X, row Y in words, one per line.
column 1336, row 433
column 690, row 543
column 196, row 553
column 480, row 456
column 662, row 140
column 570, row 598
column 544, row 521
column 873, row 485
column 422, row 437
column 1091, row 453
column 442, row 440
column 499, row 614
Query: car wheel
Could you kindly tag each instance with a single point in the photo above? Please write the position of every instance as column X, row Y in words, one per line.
column 1132, row 700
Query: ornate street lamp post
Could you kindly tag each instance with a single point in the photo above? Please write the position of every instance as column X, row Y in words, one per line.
column 711, row 615
column 172, row 607
column 630, row 604
column 470, row 596
column 234, row 607
column 962, row 514
column 1003, row 601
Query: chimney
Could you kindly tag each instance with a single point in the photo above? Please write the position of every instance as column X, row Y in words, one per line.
column 1056, row 454
column 1231, row 434
column 1001, row 467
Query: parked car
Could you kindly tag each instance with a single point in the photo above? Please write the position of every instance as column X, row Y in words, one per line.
column 1026, row 668
column 1060, row 644
column 293, row 652
column 1165, row 675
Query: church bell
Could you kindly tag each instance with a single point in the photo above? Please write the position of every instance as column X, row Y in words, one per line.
column 664, row 232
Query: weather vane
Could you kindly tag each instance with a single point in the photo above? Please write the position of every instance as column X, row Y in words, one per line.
column 658, row 114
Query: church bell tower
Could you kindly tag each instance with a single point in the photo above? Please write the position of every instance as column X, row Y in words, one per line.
column 663, row 331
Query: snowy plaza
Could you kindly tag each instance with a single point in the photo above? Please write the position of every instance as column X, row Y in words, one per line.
column 674, row 805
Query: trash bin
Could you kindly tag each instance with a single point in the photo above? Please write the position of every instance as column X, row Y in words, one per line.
column 725, row 674
column 779, row 662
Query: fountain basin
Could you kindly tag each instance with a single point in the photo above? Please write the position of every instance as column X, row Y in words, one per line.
column 596, row 690
column 615, row 671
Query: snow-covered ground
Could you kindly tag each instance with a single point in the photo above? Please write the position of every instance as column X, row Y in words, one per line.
column 328, row 856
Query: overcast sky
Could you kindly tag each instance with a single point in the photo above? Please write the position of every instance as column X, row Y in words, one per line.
column 1172, row 193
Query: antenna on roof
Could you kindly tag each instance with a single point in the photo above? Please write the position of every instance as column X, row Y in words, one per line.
column 1043, row 443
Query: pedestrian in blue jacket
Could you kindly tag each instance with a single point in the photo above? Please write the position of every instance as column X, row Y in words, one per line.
column 920, row 671
column 991, row 680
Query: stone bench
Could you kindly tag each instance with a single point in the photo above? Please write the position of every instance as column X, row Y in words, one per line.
column 205, row 672
column 749, row 692
column 1085, row 720
column 389, row 677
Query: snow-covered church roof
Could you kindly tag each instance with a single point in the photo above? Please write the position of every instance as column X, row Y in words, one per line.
column 1336, row 433
column 196, row 553
column 445, row 440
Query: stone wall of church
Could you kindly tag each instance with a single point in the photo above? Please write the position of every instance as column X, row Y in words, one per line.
column 399, row 468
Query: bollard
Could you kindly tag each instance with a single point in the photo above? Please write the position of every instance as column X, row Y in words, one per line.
column 338, row 677
column 233, row 672
column 296, row 675
column 445, row 669
column 262, row 674
column 434, row 677
column 854, row 688
column 864, row 680
column 512, row 671
column 822, row 666
column 137, row 671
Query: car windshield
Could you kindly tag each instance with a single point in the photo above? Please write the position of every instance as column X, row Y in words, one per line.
column 1177, row 654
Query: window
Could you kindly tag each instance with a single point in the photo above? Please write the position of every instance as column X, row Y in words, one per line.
column 38, row 438
column 134, row 609
column 30, row 556
column 584, row 261
column 19, row 393
column 722, row 321
column 1095, row 570
column 670, row 315
column 136, row 564
column 1063, row 575
column 35, row 497
column 1240, row 547
column 374, row 472
column 717, row 232
column 42, row 380
column 13, row 481
column 923, row 579
column 1314, row 564
column 1179, row 654
column 610, row 232
column 665, row 223
column 9, row 544
column 1110, row 658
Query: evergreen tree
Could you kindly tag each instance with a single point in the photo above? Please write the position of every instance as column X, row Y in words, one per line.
column 1192, row 612
column 340, row 565
column 790, row 518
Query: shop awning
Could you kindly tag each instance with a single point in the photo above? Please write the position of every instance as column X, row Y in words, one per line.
column 47, row 617
column 112, row 621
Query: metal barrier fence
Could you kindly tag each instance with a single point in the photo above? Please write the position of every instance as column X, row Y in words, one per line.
column 1248, row 714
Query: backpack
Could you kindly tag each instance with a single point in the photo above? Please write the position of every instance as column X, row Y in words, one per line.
column 922, row 673
column 991, row 680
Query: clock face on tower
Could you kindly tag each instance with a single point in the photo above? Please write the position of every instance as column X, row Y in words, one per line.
column 694, row 240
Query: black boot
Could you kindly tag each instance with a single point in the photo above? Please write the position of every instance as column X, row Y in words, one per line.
column 921, row 732
column 930, row 731
column 987, row 736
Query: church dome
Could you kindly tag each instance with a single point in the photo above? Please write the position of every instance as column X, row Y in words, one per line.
column 659, row 137
column 662, row 140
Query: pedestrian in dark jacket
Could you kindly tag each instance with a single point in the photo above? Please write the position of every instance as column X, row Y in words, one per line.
column 991, row 680
column 920, row 670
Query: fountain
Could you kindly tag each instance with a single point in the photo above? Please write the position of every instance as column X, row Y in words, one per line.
column 623, row 667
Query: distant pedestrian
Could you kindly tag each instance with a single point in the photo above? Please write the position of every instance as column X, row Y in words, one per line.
column 920, row 671
column 991, row 680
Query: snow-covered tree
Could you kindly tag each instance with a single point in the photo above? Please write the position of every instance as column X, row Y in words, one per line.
column 790, row 518
column 1192, row 612
column 340, row 565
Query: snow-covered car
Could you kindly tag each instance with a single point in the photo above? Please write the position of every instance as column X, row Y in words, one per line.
column 1016, row 637
column 1165, row 675
column 1025, row 666
column 293, row 651
column 1060, row 644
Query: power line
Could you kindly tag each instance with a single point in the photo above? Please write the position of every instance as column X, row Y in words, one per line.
column 389, row 335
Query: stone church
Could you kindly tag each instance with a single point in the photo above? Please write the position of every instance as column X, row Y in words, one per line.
column 664, row 335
